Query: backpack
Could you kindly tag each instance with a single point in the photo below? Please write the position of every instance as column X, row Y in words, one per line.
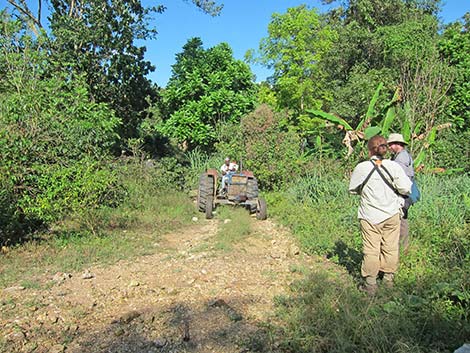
column 415, row 195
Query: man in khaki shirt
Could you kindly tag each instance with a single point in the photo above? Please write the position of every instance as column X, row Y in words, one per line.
column 379, row 212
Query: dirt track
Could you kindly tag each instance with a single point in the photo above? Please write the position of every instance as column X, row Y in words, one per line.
column 187, row 297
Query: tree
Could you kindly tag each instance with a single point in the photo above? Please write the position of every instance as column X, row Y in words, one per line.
column 296, row 42
column 98, row 38
column 52, row 137
column 207, row 87
column 455, row 47
column 374, row 39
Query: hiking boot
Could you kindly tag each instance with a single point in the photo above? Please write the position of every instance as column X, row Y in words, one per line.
column 369, row 289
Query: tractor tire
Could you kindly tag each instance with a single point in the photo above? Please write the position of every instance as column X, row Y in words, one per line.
column 206, row 190
column 261, row 210
column 252, row 189
column 208, row 209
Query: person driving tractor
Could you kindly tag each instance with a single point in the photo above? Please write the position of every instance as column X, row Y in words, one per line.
column 227, row 169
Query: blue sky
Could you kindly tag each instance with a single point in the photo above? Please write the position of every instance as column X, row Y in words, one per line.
column 241, row 24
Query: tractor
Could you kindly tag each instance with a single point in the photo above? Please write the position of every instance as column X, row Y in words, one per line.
column 241, row 190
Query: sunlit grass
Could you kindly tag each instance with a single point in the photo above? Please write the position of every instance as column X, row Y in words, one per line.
column 429, row 308
column 235, row 225
column 109, row 235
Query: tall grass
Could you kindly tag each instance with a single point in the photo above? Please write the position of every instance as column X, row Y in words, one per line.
column 429, row 308
column 199, row 162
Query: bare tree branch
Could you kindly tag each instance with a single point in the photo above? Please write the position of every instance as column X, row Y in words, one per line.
column 33, row 22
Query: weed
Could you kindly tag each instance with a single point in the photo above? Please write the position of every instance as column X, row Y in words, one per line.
column 203, row 247
column 269, row 274
column 236, row 226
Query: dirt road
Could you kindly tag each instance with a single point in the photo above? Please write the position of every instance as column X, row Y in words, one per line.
column 186, row 297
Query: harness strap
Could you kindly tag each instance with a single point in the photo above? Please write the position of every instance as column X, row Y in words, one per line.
column 386, row 181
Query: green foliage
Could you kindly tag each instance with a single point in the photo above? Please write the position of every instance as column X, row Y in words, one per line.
column 429, row 306
column 207, row 87
column 397, row 46
column 296, row 42
column 322, row 201
column 61, row 190
column 97, row 39
column 52, row 137
column 455, row 47
column 325, row 313
column 105, row 235
column 271, row 152
column 452, row 151
column 375, row 39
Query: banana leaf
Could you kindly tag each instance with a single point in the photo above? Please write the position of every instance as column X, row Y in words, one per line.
column 419, row 159
column 330, row 117
column 371, row 131
column 417, row 128
column 388, row 120
column 318, row 143
column 432, row 136
column 371, row 108
column 406, row 130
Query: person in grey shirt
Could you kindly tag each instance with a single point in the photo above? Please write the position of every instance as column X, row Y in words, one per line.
column 397, row 146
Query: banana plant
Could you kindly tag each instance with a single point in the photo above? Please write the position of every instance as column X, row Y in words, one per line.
column 364, row 130
column 390, row 112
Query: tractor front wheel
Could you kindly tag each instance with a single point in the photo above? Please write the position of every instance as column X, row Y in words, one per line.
column 261, row 210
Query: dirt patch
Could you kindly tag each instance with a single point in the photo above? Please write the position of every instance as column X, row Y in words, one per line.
column 186, row 297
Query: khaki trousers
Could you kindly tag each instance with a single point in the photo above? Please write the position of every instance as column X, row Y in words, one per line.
column 380, row 248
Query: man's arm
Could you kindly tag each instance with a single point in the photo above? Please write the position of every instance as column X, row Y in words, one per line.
column 401, row 181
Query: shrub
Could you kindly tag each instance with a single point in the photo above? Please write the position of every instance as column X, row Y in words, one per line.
column 273, row 153
column 53, row 139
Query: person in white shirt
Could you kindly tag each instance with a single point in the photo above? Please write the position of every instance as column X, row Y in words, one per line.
column 227, row 169
column 380, row 183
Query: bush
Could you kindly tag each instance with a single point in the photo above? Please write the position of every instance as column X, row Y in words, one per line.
column 273, row 153
column 57, row 191
column 53, row 140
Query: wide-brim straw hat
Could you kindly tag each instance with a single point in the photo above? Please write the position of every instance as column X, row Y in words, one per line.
column 396, row 138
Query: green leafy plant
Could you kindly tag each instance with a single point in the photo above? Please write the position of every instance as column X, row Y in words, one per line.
column 207, row 87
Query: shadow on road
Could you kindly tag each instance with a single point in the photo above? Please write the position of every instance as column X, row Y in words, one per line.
column 215, row 326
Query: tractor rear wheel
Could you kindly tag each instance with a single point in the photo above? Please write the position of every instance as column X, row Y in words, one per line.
column 205, row 191
column 261, row 210
column 252, row 189
column 209, row 207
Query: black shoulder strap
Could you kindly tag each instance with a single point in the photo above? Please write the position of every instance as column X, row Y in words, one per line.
column 367, row 178
column 386, row 181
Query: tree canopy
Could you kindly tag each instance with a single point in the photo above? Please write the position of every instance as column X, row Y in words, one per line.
column 208, row 87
